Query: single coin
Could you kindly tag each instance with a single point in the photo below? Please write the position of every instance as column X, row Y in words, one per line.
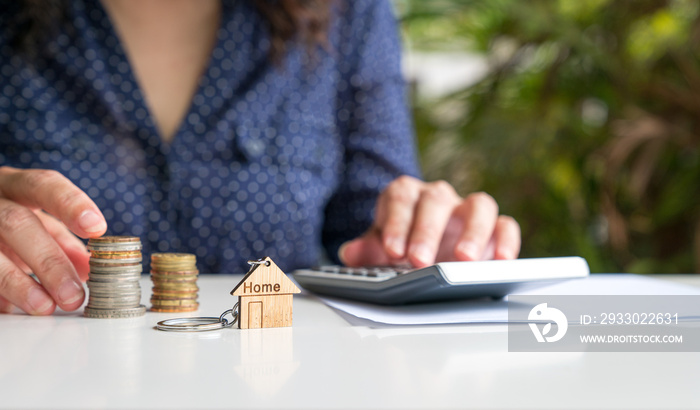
column 116, row 285
column 190, row 297
column 114, row 239
column 157, row 288
column 114, row 298
column 166, row 276
column 173, row 262
column 114, row 278
column 174, row 269
column 175, row 282
column 114, row 261
column 116, row 254
column 114, row 291
column 101, row 272
column 116, row 266
column 167, row 292
column 123, row 263
column 193, row 272
column 114, row 245
column 107, row 253
column 157, row 257
column 114, row 305
column 183, row 287
column 114, row 313
column 174, row 310
column 117, row 269
column 173, row 302
column 121, row 247
column 157, row 280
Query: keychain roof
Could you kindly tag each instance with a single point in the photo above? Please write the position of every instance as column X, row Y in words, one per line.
column 265, row 273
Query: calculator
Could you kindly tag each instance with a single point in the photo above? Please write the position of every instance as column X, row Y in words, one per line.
column 442, row 281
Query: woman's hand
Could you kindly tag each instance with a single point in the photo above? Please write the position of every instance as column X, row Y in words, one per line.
column 32, row 240
column 426, row 222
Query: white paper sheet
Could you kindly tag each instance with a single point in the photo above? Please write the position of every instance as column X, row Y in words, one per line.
column 496, row 311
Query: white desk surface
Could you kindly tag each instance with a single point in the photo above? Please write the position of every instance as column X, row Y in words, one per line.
column 67, row 361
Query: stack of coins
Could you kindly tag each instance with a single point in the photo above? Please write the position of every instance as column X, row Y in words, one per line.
column 115, row 269
column 174, row 277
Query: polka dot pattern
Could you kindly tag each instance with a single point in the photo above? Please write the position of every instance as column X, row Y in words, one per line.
column 278, row 161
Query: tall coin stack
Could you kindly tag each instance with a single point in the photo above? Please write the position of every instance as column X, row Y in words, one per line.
column 174, row 277
column 115, row 269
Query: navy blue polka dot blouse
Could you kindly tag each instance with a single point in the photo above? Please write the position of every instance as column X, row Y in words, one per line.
column 268, row 161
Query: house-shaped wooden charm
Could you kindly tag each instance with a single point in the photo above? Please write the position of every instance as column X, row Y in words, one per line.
column 264, row 296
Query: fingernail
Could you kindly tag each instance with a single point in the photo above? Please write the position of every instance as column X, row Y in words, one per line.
column 70, row 292
column 395, row 245
column 422, row 253
column 91, row 222
column 468, row 250
column 38, row 301
column 341, row 252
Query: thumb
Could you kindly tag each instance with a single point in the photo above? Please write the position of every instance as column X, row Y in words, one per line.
column 366, row 250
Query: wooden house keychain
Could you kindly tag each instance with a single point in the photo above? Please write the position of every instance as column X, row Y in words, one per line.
column 264, row 300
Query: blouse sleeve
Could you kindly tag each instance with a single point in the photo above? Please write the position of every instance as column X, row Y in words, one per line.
column 373, row 119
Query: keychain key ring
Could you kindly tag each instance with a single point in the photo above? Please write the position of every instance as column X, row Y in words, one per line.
column 199, row 324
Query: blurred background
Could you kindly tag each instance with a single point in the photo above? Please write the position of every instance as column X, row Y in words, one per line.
column 580, row 117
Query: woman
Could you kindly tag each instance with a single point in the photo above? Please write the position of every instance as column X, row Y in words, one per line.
column 229, row 129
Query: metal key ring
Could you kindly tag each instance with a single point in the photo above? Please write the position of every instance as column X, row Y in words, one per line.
column 191, row 324
column 199, row 324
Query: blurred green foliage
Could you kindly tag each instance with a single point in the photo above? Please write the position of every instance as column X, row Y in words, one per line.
column 586, row 128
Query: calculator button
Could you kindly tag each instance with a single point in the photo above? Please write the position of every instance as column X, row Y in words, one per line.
column 381, row 273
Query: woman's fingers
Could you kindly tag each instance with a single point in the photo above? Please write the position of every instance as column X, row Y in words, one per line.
column 18, row 288
column 54, row 193
column 411, row 217
column 395, row 213
column 25, row 234
column 12, row 256
column 506, row 238
column 433, row 211
column 366, row 250
column 6, row 306
column 35, row 241
column 423, row 223
column 479, row 211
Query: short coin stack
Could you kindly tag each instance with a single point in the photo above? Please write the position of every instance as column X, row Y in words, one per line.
column 174, row 277
column 115, row 269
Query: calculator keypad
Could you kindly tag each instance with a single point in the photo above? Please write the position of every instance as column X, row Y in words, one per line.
column 371, row 273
